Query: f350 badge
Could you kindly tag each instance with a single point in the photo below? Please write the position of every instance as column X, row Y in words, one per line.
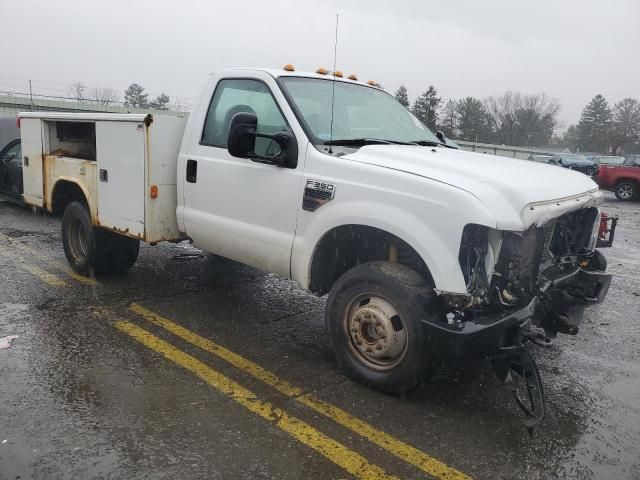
column 316, row 194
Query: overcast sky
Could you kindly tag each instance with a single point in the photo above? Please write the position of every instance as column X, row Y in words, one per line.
column 570, row 49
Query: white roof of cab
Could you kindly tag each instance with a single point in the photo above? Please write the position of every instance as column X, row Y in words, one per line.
column 279, row 72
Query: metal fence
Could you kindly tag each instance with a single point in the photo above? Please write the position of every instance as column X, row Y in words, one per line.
column 11, row 105
column 522, row 153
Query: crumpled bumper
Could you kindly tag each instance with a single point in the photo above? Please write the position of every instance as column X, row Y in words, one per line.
column 558, row 307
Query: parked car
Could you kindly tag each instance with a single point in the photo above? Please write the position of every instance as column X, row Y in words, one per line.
column 608, row 160
column 574, row 161
column 10, row 158
column 540, row 158
column 623, row 180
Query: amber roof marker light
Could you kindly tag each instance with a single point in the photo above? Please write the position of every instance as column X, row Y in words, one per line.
column 353, row 77
column 322, row 71
column 289, row 68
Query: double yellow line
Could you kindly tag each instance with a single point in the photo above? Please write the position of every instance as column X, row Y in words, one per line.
column 47, row 277
column 349, row 460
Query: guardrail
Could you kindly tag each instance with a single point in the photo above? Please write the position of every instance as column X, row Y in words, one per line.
column 522, row 153
column 11, row 105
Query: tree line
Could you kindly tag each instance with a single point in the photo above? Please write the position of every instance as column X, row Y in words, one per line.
column 134, row 96
column 518, row 119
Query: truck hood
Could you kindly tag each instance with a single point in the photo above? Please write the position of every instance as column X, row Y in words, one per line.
column 500, row 183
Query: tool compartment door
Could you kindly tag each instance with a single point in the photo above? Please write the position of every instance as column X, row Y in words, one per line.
column 32, row 167
column 120, row 155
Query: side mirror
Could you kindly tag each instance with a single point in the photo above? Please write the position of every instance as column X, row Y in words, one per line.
column 241, row 142
column 441, row 137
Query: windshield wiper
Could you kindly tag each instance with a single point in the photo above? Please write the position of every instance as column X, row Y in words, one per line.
column 431, row 143
column 364, row 141
column 427, row 143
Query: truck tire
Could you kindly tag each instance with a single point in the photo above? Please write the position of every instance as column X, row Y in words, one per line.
column 122, row 251
column 373, row 319
column 79, row 239
column 626, row 190
column 92, row 251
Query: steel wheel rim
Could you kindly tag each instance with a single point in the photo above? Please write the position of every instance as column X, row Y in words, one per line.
column 625, row 191
column 78, row 240
column 376, row 332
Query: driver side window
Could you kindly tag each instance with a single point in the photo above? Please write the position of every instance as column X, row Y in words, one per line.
column 249, row 96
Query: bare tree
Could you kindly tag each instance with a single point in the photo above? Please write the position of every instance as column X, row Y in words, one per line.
column 449, row 123
column 626, row 125
column 103, row 95
column 503, row 114
column 77, row 91
column 523, row 119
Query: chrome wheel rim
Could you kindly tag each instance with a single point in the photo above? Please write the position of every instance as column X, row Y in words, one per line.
column 625, row 191
column 78, row 240
column 377, row 333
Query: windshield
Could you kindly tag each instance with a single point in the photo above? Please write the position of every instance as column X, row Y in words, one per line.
column 359, row 112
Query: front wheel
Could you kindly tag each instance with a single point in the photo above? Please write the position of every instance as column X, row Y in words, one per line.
column 373, row 317
column 626, row 191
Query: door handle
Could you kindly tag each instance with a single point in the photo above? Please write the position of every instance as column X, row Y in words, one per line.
column 192, row 171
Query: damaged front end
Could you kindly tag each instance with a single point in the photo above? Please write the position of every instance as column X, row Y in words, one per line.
column 522, row 288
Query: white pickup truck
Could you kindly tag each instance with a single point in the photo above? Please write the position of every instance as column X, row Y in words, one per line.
column 427, row 253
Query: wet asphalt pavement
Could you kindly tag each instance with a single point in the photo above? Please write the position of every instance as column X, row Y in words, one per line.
column 81, row 396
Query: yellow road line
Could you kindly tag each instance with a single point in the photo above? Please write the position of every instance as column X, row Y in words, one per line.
column 43, row 275
column 53, row 263
column 404, row 451
column 339, row 454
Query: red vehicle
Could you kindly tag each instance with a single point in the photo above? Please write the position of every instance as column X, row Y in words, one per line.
column 623, row 180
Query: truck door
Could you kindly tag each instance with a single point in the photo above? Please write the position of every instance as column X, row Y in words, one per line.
column 235, row 207
column 32, row 166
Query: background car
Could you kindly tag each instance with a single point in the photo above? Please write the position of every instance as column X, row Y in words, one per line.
column 10, row 158
column 574, row 161
column 608, row 160
column 540, row 158
column 632, row 161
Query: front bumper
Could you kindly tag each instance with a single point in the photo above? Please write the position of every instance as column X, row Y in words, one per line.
column 557, row 307
column 476, row 338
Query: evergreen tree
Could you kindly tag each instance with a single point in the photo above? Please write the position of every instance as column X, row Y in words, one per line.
column 134, row 96
column 571, row 137
column 594, row 128
column 402, row 97
column 474, row 122
column 160, row 102
column 426, row 107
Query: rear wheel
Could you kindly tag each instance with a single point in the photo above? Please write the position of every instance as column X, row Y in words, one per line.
column 90, row 250
column 626, row 191
column 374, row 314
